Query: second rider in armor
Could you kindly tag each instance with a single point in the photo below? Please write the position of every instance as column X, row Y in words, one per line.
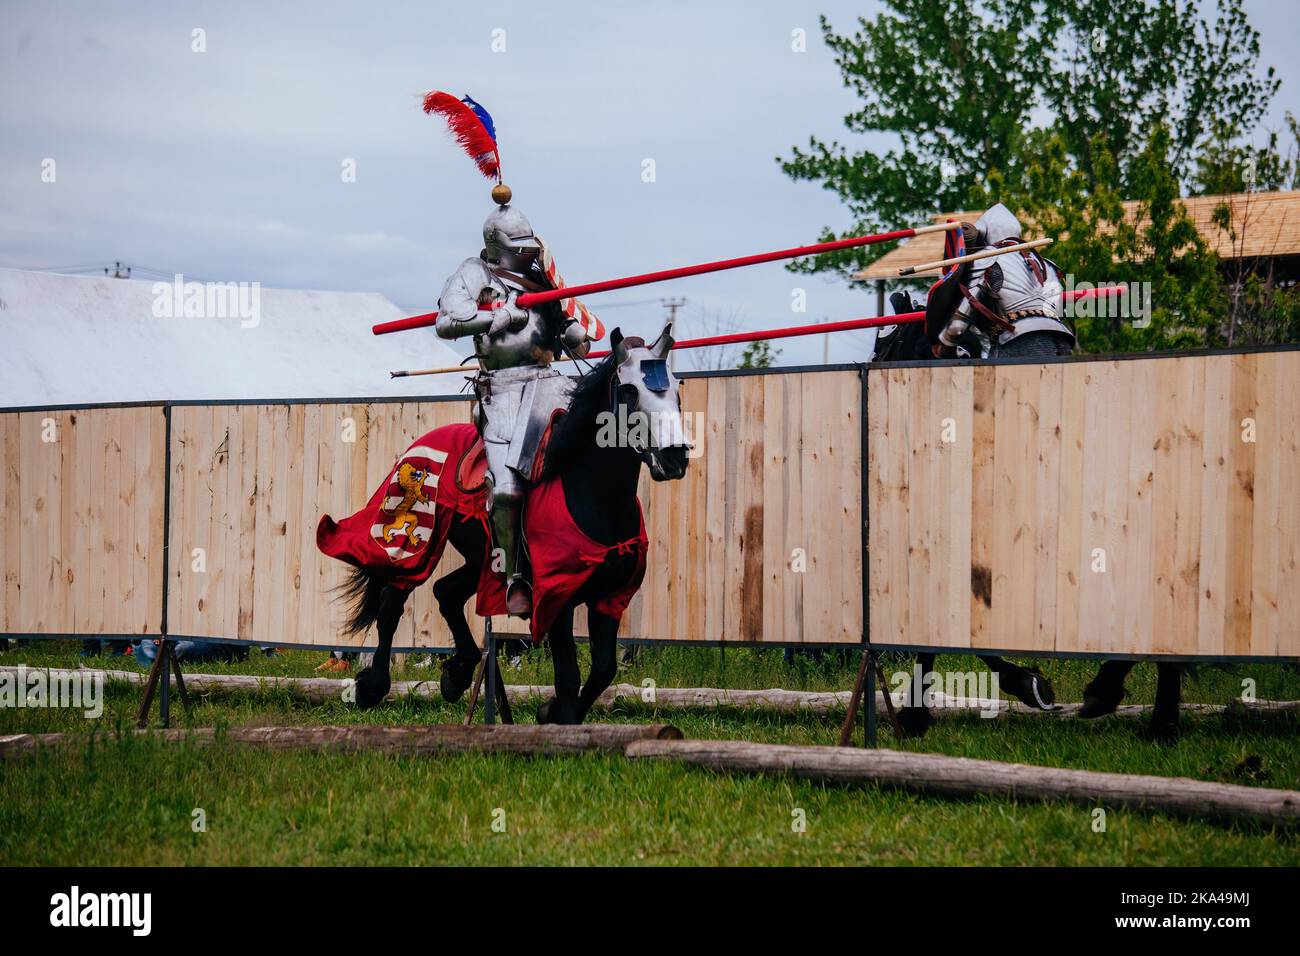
column 1012, row 301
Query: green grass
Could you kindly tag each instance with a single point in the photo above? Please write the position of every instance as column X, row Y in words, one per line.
column 129, row 801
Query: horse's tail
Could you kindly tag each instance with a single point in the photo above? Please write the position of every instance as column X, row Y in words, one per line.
column 362, row 592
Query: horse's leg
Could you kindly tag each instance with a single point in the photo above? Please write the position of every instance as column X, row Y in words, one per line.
column 1164, row 719
column 451, row 592
column 373, row 682
column 604, row 659
column 1029, row 684
column 563, row 707
column 914, row 717
column 1106, row 690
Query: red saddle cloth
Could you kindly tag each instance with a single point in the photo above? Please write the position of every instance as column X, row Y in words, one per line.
column 402, row 530
column 563, row 558
column 471, row 469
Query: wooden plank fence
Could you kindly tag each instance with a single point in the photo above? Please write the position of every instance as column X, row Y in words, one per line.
column 1144, row 506
column 81, row 521
column 1141, row 506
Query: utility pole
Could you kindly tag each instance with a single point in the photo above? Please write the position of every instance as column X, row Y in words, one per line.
column 672, row 305
column 118, row 272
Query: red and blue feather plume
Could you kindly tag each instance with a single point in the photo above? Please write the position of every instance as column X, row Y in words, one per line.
column 473, row 128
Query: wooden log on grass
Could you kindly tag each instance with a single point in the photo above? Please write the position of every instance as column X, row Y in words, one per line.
column 536, row 739
column 316, row 690
column 965, row 777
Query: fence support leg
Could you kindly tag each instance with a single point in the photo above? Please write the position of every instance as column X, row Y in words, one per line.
column 180, row 682
column 150, row 687
column 869, row 699
column 490, row 675
column 851, row 716
column 165, row 683
column 503, row 701
column 889, row 702
column 474, row 688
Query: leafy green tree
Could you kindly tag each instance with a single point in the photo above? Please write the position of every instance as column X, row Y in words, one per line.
column 759, row 355
column 1259, row 309
column 1269, row 313
column 1171, row 258
column 970, row 90
column 1122, row 67
column 1180, row 301
column 1227, row 165
column 952, row 85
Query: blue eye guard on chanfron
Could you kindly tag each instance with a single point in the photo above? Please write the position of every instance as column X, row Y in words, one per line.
column 655, row 373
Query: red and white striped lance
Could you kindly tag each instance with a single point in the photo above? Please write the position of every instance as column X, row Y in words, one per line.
column 572, row 306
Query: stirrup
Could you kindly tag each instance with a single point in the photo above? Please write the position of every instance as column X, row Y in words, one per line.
column 519, row 598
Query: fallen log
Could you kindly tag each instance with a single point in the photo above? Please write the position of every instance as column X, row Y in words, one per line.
column 538, row 739
column 965, row 777
column 317, row 690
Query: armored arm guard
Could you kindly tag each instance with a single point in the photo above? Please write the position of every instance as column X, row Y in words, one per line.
column 961, row 318
column 575, row 338
column 943, row 320
column 458, row 311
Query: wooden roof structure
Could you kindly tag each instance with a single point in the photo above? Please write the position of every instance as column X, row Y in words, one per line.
column 1267, row 226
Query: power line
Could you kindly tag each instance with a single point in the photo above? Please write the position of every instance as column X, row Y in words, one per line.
column 95, row 266
column 626, row 304
column 119, row 270
column 168, row 273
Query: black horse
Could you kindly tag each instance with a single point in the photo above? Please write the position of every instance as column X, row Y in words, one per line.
column 908, row 343
column 623, row 412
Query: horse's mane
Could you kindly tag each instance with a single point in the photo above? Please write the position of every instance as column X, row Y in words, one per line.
column 573, row 429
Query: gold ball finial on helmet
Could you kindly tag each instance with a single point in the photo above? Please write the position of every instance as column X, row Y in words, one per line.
column 501, row 194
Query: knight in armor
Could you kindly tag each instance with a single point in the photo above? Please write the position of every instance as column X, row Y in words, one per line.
column 1011, row 303
column 516, row 391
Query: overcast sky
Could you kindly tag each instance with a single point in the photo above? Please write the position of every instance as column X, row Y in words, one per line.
column 227, row 164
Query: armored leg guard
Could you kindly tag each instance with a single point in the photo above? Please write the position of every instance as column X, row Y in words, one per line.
column 505, row 532
column 507, row 498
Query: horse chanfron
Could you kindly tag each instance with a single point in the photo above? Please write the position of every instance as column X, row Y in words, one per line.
column 649, row 398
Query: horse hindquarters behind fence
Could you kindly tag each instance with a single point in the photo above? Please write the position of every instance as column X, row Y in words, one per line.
column 907, row 343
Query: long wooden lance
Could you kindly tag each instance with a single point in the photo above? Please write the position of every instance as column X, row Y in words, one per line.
column 972, row 256
column 733, row 338
column 551, row 295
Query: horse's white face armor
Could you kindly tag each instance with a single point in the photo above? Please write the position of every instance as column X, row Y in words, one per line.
column 508, row 239
column 647, row 387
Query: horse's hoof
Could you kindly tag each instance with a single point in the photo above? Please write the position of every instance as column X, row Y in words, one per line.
column 1100, row 701
column 457, row 674
column 1161, row 732
column 555, row 711
column 915, row 721
column 1031, row 686
column 372, row 687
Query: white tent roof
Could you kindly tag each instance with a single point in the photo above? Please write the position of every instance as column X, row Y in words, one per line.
column 75, row 340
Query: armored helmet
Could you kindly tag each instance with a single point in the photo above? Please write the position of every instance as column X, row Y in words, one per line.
column 996, row 224
column 508, row 238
